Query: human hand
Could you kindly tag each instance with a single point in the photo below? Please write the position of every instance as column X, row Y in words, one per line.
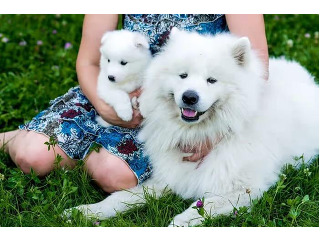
column 110, row 115
column 197, row 153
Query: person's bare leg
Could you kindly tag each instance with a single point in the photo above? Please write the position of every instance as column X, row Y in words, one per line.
column 5, row 138
column 109, row 171
column 27, row 150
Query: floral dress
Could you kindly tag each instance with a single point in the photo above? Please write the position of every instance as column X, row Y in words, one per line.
column 70, row 119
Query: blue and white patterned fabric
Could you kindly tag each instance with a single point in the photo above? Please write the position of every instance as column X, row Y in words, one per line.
column 158, row 26
column 70, row 118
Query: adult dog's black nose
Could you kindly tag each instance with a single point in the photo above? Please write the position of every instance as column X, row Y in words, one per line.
column 190, row 97
column 111, row 78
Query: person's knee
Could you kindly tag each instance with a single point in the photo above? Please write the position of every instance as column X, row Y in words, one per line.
column 38, row 159
column 111, row 178
column 112, row 174
column 118, row 183
column 28, row 151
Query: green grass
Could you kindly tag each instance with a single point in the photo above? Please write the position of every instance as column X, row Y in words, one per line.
column 32, row 74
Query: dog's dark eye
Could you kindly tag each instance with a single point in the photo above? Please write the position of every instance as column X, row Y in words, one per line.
column 108, row 60
column 123, row 63
column 211, row 80
column 183, row 75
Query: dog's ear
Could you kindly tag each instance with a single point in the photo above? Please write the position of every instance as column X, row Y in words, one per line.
column 241, row 51
column 103, row 40
column 141, row 41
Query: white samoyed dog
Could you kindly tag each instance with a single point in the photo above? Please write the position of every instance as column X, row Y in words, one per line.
column 124, row 58
column 202, row 89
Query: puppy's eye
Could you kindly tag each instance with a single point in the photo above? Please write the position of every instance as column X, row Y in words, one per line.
column 108, row 60
column 123, row 63
column 211, row 80
column 183, row 75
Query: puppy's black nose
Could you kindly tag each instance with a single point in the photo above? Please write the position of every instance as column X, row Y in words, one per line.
column 190, row 97
column 111, row 78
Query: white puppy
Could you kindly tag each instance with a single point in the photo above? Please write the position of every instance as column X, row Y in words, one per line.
column 124, row 58
column 203, row 89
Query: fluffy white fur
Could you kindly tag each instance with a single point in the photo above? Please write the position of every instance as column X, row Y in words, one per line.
column 124, row 58
column 261, row 125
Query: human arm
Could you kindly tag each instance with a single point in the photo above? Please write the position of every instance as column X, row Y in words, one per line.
column 88, row 61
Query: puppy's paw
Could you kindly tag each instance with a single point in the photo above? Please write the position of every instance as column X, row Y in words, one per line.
column 125, row 113
column 102, row 122
column 186, row 219
column 135, row 103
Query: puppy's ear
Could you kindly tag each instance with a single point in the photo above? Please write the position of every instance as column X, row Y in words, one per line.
column 241, row 51
column 141, row 41
column 105, row 37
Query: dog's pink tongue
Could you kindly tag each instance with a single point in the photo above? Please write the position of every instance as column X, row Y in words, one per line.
column 188, row 112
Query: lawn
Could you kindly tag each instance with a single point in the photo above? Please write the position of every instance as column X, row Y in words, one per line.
column 37, row 64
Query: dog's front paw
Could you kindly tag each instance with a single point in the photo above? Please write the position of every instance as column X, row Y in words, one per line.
column 186, row 219
column 83, row 209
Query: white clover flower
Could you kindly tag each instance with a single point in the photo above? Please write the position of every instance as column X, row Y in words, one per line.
column 5, row 40
column 307, row 172
column 23, row 43
column 290, row 43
